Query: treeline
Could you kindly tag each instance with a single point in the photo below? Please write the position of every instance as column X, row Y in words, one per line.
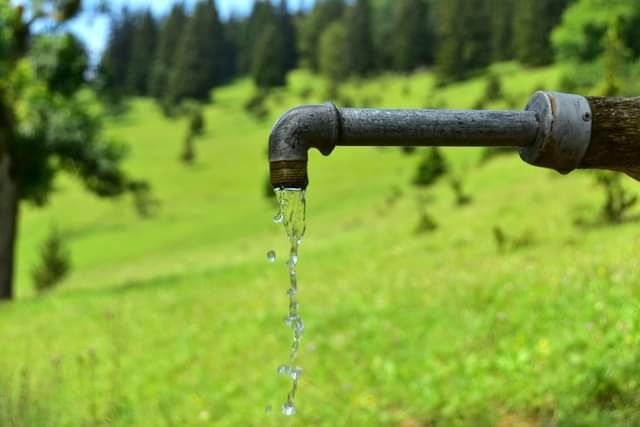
column 187, row 53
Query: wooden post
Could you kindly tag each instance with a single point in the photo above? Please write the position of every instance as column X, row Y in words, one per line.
column 615, row 135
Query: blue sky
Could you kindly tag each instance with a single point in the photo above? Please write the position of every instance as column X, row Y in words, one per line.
column 94, row 28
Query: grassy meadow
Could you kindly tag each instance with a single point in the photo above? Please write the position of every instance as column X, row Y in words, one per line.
column 176, row 319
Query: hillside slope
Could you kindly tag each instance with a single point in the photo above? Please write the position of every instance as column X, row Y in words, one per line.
column 176, row 319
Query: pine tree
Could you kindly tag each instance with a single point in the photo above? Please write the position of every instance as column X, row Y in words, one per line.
column 114, row 64
column 168, row 41
column 502, row 12
column 262, row 16
column 412, row 39
column 269, row 67
column 323, row 14
column 201, row 49
column 142, row 54
column 464, row 38
column 534, row 21
column 290, row 36
column 334, row 48
column 361, row 51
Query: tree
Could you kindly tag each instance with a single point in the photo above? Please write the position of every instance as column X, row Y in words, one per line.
column 168, row 40
column 269, row 66
column 464, row 38
column 55, row 262
column 142, row 53
column 533, row 23
column 432, row 166
column 114, row 64
column 199, row 65
column 361, row 51
column 290, row 36
column 585, row 24
column 412, row 38
column 334, row 48
column 196, row 128
column 262, row 16
column 46, row 121
column 502, row 12
column 323, row 14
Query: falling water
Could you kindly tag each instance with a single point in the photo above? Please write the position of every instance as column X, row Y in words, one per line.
column 292, row 215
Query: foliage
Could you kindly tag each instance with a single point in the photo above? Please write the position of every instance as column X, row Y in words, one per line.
column 412, row 39
column 585, row 24
column 462, row 198
column 322, row 15
column 196, row 128
column 534, row 21
column 618, row 201
column 269, row 67
column 462, row 52
column 334, row 48
column 432, row 166
column 55, row 262
column 143, row 47
column 169, row 37
column 199, row 64
column 361, row 56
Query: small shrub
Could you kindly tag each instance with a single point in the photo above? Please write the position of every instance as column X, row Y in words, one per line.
column 196, row 128
column 432, row 167
column 55, row 262
column 255, row 105
column 426, row 223
column 506, row 243
column 618, row 201
column 143, row 199
column 462, row 199
column 493, row 88
column 408, row 149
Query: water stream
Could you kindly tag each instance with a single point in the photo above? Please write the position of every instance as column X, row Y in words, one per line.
column 292, row 207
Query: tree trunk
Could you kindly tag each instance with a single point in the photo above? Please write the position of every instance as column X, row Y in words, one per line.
column 9, row 199
column 8, row 226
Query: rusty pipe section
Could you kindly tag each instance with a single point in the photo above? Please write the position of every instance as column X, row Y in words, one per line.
column 535, row 130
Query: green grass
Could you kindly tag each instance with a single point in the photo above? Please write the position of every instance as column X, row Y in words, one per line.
column 175, row 320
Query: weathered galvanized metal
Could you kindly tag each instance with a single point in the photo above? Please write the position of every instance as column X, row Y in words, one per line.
column 556, row 131
column 564, row 131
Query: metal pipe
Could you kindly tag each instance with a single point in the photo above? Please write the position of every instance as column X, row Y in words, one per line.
column 444, row 128
column 554, row 131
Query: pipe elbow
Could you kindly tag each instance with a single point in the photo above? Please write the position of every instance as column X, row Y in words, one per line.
column 295, row 132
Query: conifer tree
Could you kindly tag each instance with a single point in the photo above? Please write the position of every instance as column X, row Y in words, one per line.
column 534, row 21
column 168, row 41
column 361, row 50
column 334, row 48
column 323, row 14
column 201, row 49
column 464, row 38
column 142, row 53
column 412, row 40
column 262, row 16
column 502, row 12
column 290, row 36
column 114, row 64
column 269, row 67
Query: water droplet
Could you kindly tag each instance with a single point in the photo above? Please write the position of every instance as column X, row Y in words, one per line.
column 271, row 256
column 292, row 292
column 284, row 369
column 288, row 409
column 294, row 260
column 278, row 218
column 267, row 409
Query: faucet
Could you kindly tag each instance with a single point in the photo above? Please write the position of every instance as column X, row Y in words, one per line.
column 556, row 130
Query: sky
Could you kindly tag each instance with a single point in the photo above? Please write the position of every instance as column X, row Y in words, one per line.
column 94, row 28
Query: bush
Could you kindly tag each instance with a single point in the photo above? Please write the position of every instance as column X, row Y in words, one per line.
column 462, row 199
column 618, row 201
column 432, row 167
column 55, row 262
column 256, row 105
